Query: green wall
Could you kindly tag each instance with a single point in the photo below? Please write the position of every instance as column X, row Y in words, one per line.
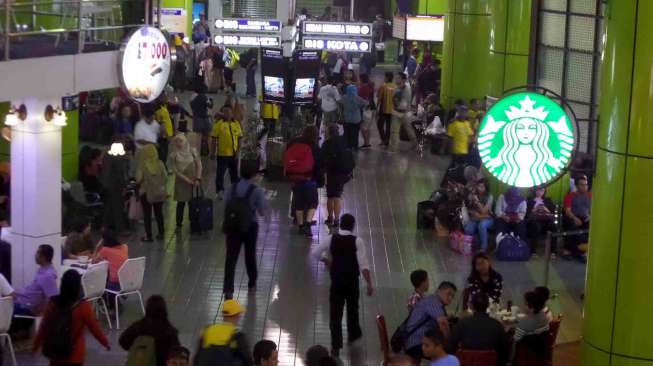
column 618, row 318
column 432, row 7
column 486, row 48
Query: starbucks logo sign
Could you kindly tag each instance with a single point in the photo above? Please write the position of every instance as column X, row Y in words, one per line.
column 526, row 140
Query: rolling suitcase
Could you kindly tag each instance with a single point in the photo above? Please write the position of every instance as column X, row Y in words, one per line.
column 200, row 212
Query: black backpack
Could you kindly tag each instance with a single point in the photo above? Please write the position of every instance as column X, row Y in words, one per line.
column 57, row 333
column 237, row 213
column 401, row 334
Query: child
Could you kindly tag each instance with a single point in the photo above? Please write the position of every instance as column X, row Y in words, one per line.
column 433, row 349
column 420, row 280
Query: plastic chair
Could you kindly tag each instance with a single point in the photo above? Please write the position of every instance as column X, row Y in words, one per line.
column 468, row 357
column 94, row 282
column 383, row 338
column 6, row 313
column 130, row 277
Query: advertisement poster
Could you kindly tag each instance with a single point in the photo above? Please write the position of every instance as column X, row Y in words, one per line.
column 145, row 64
column 174, row 20
column 425, row 29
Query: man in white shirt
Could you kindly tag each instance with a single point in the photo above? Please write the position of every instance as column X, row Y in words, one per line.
column 338, row 72
column 346, row 257
column 147, row 130
column 328, row 98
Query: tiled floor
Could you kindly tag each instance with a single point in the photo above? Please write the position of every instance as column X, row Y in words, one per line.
column 291, row 304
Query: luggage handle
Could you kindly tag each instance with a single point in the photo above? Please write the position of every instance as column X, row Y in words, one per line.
column 198, row 191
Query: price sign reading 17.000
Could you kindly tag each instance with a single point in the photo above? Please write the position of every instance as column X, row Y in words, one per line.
column 145, row 64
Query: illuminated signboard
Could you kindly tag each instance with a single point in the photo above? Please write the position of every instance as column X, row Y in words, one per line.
column 144, row 64
column 248, row 25
column 526, row 140
column 341, row 29
column 399, row 27
column 425, row 28
column 247, row 40
column 337, row 44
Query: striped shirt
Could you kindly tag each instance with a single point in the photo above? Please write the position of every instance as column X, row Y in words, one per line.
column 533, row 324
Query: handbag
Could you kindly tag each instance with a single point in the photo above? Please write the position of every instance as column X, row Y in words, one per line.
column 135, row 209
column 461, row 243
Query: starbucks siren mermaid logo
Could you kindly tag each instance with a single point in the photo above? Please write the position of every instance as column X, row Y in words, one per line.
column 526, row 140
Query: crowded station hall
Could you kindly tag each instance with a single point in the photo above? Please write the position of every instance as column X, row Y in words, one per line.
column 410, row 182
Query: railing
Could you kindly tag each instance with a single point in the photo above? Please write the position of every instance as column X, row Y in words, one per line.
column 62, row 27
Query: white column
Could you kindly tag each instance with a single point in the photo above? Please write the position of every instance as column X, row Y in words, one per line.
column 285, row 10
column 35, row 189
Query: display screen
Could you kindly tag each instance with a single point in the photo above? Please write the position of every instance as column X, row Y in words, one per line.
column 274, row 86
column 337, row 44
column 425, row 28
column 248, row 25
column 304, row 89
column 343, row 29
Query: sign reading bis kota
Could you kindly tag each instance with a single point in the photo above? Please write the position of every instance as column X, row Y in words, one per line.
column 526, row 140
column 144, row 65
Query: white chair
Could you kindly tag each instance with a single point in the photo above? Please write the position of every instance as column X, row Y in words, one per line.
column 94, row 282
column 130, row 276
column 6, row 313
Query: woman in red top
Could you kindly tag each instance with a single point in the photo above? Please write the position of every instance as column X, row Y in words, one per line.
column 83, row 316
column 114, row 252
column 366, row 91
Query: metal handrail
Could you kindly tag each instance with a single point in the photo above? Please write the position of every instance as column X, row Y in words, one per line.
column 12, row 7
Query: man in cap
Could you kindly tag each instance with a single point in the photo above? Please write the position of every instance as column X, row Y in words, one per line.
column 225, row 341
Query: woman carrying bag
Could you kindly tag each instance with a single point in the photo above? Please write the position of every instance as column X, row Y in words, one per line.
column 151, row 177
column 187, row 167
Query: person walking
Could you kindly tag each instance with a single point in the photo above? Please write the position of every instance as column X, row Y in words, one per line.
column 155, row 324
column 151, row 177
column 251, row 73
column 225, row 141
column 243, row 202
column 352, row 105
column 200, row 106
column 384, row 96
column 68, row 349
column 366, row 91
column 187, row 167
column 346, row 257
column 328, row 98
column 401, row 106
column 339, row 165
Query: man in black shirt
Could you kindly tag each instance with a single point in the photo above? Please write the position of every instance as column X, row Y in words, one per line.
column 480, row 331
column 345, row 256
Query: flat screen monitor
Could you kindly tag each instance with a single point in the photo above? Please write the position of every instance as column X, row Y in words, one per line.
column 274, row 88
column 423, row 28
column 304, row 90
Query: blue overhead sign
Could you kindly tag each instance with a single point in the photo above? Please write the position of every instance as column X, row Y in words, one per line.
column 247, row 25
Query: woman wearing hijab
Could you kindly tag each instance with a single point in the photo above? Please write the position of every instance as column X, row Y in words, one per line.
column 151, row 177
column 351, row 115
column 510, row 213
column 187, row 167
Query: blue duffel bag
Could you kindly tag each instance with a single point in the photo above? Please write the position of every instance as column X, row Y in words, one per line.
column 513, row 249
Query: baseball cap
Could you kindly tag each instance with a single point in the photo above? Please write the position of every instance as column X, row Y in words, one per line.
column 232, row 308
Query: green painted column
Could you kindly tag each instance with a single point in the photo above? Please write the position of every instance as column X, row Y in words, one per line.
column 486, row 48
column 618, row 318
column 432, row 7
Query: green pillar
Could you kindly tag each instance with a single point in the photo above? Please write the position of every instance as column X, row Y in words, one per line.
column 486, row 48
column 432, row 7
column 618, row 304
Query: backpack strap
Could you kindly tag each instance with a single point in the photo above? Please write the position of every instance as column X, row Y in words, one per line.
column 250, row 190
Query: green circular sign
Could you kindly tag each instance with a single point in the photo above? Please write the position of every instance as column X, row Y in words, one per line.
column 526, row 140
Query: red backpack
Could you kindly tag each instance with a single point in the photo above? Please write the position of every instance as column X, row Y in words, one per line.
column 298, row 162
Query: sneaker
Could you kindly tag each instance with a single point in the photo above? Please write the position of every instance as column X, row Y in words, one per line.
column 328, row 222
column 307, row 231
column 366, row 146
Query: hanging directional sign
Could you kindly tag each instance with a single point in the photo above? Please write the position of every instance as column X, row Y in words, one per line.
column 247, row 25
column 337, row 44
column 526, row 140
column 242, row 40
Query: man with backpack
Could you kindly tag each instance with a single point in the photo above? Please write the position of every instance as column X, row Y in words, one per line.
column 244, row 201
column 339, row 164
column 345, row 256
column 224, row 343
column 302, row 165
